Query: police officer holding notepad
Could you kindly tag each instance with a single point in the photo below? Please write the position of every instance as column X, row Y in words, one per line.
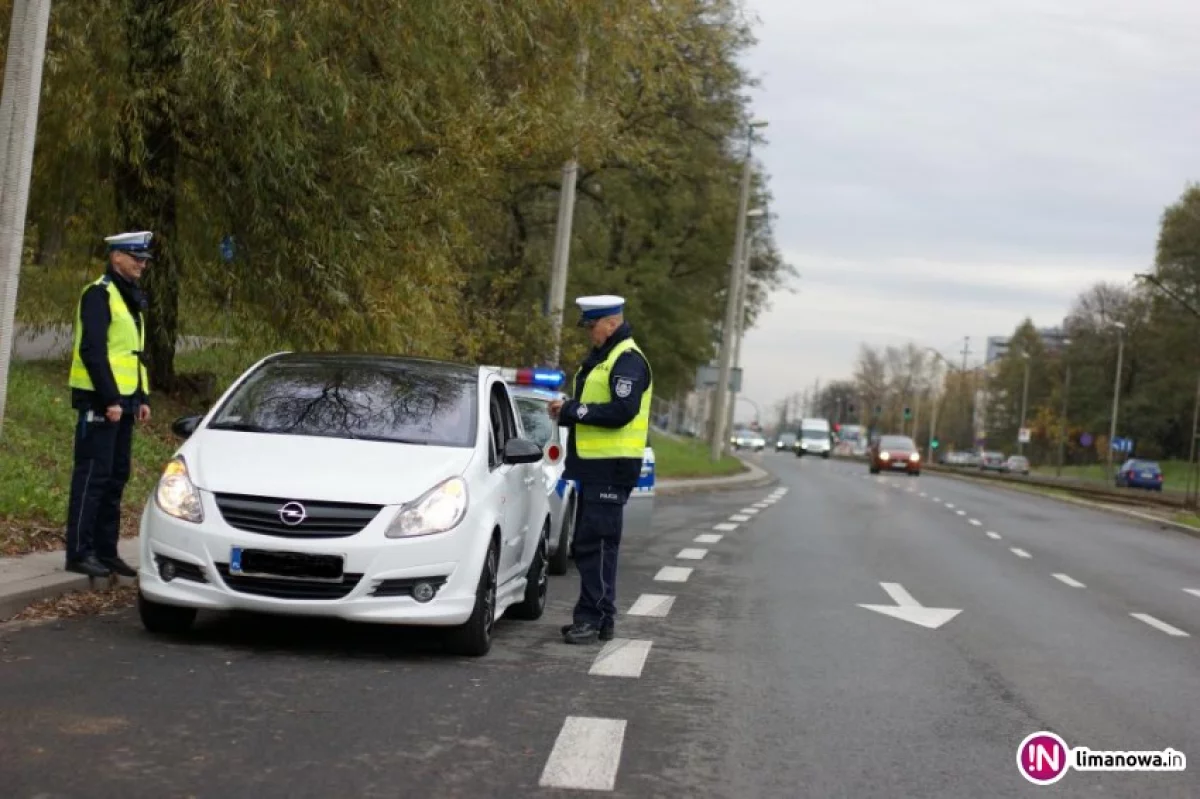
column 609, row 419
column 109, row 391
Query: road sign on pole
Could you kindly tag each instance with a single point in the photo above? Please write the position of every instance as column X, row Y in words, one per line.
column 1023, row 435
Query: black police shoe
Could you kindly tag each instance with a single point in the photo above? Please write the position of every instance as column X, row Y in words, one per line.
column 119, row 566
column 606, row 633
column 581, row 634
column 89, row 565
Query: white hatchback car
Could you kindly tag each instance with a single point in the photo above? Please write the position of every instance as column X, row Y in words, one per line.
column 369, row 488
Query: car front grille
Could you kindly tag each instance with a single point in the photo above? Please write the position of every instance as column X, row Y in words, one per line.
column 288, row 588
column 321, row 519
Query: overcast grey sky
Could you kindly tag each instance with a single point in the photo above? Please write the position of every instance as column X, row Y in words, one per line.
column 944, row 168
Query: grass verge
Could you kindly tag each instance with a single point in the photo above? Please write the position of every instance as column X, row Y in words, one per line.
column 688, row 457
column 36, row 452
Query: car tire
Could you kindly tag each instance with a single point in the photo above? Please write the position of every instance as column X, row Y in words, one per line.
column 825, row 455
column 164, row 619
column 560, row 562
column 474, row 638
column 874, row 470
column 533, row 605
column 917, row 473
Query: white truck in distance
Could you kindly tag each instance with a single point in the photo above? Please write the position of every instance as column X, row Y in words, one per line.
column 815, row 438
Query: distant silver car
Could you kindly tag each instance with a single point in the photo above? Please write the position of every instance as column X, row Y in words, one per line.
column 1017, row 464
column 991, row 462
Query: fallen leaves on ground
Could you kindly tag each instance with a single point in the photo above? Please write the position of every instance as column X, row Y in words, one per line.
column 80, row 603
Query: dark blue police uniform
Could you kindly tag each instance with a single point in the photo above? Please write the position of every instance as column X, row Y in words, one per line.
column 604, row 483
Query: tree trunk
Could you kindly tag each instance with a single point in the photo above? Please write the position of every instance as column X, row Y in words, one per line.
column 145, row 169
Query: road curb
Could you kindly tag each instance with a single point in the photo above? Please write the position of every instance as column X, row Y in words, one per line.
column 1083, row 503
column 754, row 477
column 23, row 582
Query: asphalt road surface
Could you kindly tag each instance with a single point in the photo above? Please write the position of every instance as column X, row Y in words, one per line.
column 759, row 675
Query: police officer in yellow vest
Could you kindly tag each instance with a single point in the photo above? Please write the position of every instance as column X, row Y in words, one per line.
column 109, row 390
column 609, row 419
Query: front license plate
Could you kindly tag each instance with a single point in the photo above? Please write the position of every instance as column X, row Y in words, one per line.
column 285, row 565
column 899, row 465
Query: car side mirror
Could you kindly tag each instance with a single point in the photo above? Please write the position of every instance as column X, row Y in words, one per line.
column 521, row 450
column 184, row 426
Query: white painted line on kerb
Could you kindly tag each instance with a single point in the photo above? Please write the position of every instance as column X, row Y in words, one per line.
column 1193, row 591
column 1162, row 626
column 993, row 536
column 621, row 657
column 1020, row 553
column 708, row 538
column 975, row 522
column 749, row 511
column 655, row 605
column 1067, row 579
column 725, row 527
column 692, row 554
column 586, row 754
column 739, row 517
column 673, row 574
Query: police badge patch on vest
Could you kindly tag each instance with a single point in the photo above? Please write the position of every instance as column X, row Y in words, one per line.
column 581, row 411
column 623, row 387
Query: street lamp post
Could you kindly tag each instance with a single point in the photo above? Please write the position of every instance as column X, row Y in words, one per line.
column 721, row 391
column 1024, row 404
column 1112, row 429
column 743, row 281
column 1062, row 432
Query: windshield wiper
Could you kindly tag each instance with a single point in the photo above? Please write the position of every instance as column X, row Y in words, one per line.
column 241, row 427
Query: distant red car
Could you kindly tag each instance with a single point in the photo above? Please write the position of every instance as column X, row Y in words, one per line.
column 895, row 454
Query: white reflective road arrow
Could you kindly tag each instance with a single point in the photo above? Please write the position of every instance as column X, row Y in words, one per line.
column 908, row 609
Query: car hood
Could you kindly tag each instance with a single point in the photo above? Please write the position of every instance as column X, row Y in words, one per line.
column 314, row 468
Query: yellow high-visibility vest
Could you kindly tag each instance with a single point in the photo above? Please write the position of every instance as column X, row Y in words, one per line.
column 592, row 442
column 125, row 341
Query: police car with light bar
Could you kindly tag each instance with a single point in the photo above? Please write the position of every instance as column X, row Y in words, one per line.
column 533, row 389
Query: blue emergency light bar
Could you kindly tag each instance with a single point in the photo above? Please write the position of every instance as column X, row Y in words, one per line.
column 540, row 377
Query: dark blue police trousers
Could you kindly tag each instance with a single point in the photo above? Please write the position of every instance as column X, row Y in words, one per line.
column 103, row 455
column 600, row 518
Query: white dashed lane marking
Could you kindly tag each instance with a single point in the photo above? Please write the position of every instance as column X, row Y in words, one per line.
column 950, row 506
column 725, row 527
column 621, row 657
column 1161, row 626
column 692, row 554
column 1193, row 591
column 961, row 512
column 739, row 517
column 708, row 538
column 1020, row 553
column 586, row 754
column 993, row 536
column 673, row 574
column 761, row 505
column 975, row 522
column 653, row 605
column 749, row 511
column 1067, row 579
column 924, row 495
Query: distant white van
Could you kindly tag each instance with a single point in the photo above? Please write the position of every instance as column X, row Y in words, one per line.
column 815, row 438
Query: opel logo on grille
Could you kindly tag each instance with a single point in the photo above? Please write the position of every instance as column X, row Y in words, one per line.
column 292, row 514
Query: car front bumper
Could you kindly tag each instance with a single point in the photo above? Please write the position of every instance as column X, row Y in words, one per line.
column 449, row 558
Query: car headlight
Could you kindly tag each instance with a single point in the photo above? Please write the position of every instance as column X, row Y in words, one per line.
column 176, row 495
column 438, row 510
column 883, row 456
column 916, row 456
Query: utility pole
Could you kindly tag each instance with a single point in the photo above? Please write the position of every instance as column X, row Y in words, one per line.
column 1191, row 493
column 1062, row 433
column 1112, row 428
column 562, row 238
column 1024, row 403
column 717, row 443
column 968, row 393
column 18, row 130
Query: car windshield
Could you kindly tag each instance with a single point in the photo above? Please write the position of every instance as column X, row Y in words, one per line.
column 788, row 437
column 897, row 442
column 1146, row 466
column 356, row 398
column 535, row 418
column 814, row 434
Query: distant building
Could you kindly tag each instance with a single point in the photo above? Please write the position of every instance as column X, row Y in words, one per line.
column 1053, row 338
